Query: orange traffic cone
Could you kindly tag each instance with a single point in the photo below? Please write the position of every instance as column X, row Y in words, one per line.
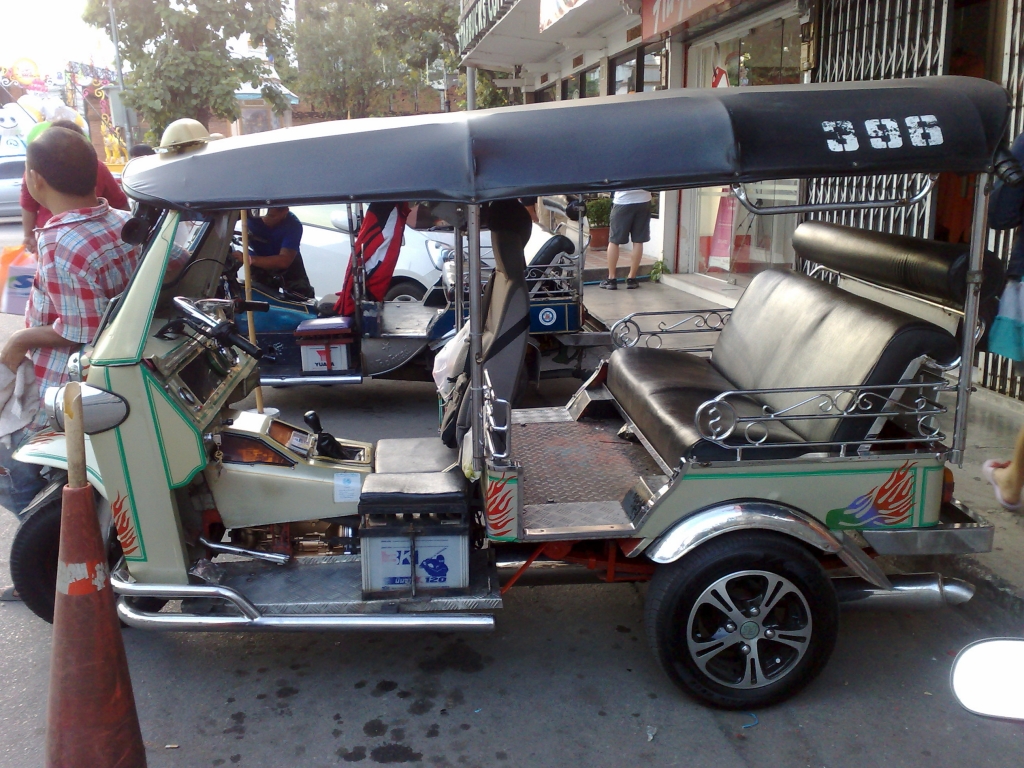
column 92, row 722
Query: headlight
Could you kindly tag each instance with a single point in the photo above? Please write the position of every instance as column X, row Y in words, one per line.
column 438, row 252
column 101, row 410
column 448, row 277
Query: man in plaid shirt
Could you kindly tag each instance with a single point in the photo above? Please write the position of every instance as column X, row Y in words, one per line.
column 83, row 264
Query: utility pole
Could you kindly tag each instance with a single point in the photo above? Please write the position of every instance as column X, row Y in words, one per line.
column 120, row 73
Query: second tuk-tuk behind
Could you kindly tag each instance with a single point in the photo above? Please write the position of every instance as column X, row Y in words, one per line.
column 753, row 482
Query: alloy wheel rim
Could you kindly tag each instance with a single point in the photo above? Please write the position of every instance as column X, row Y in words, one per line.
column 749, row 629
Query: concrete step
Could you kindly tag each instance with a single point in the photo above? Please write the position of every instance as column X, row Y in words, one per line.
column 596, row 267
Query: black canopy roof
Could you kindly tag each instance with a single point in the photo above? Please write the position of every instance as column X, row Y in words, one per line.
column 661, row 140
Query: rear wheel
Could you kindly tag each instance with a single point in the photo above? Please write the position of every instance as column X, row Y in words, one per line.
column 405, row 290
column 34, row 553
column 746, row 620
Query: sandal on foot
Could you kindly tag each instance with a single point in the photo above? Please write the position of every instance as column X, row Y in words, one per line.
column 987, row 470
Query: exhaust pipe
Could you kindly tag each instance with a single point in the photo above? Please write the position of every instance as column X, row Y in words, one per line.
column 252, row 620
column 912, row 592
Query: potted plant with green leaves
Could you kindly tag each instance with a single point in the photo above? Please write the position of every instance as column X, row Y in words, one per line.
column 599, row 211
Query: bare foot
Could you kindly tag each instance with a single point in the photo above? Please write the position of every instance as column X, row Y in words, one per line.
column 1007, row 488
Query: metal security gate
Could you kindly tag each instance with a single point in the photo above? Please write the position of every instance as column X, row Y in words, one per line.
column 879, row 40
column 997, row 372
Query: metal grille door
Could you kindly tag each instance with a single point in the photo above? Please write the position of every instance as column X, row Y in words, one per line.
column 879, row 40
column 997, row 372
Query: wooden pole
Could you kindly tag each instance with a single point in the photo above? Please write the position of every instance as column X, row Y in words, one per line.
column 247, row 271
column 74, row 433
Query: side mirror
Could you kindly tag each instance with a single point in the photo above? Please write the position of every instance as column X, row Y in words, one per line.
column 988, row 678
column 339, row 219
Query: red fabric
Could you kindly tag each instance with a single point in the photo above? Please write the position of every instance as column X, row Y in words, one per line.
column 379, row 242
column 106, row 187
column 83, row 263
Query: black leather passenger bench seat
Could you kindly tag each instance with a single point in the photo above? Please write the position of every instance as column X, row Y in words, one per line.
column 787, row 330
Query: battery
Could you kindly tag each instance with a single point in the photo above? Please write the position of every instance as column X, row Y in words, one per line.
column 442, row 562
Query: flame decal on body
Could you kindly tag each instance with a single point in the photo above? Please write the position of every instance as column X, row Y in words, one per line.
column 886, row 505
column 124, row 524
column 500, row 506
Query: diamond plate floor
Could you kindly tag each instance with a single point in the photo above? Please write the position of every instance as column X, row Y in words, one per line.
column 336, row 588
column 577, row 461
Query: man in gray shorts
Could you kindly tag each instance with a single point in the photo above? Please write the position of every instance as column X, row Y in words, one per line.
column 630, row 220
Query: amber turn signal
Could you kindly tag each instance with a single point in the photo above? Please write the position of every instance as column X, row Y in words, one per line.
column 947, row 485
column 241, row 449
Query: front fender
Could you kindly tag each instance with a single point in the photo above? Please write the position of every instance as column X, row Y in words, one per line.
column 49, row 449
column 688, row 534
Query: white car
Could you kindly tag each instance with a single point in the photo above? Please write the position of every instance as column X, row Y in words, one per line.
column 327, row 245
column 12, row 168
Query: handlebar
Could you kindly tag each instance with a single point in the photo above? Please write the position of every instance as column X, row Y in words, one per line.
column 236, row 339
column 1007, row 168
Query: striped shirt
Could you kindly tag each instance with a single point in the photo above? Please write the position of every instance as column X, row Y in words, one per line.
column 83, row 264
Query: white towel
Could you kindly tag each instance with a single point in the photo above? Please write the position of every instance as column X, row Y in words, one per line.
column 19, row 399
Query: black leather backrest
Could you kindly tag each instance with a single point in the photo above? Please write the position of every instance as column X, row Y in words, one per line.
column 925, row 268
column 555, row 245
column 507, row 320
column 789, row 330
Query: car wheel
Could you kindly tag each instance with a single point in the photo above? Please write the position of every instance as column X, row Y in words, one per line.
column 745, row 621
column 405, row 290
column 34, row 559
column 34, row 553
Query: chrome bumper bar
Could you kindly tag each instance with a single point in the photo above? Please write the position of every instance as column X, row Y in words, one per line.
column 958, row 532
column 303, row 381
column 251, row 620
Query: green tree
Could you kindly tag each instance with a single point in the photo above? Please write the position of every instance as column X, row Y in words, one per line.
column 356, row 56
column 180, row 62
column 340, row 66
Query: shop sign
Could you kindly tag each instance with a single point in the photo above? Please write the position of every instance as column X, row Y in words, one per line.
column 479, row 19
column 552, row 10
column 664, row 15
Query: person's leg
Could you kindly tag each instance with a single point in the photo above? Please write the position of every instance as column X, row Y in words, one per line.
column 1010, row 478
column 634, row 263
column 640, row 233
column 613, row 259
column 618, row 234
column 19, row 482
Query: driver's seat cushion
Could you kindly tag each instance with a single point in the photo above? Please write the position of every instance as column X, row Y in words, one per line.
column 413, row 454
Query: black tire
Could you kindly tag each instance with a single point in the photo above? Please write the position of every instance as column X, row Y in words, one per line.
column 405, row 290
column 34, row 559
column 794, row 638
column 34, row 553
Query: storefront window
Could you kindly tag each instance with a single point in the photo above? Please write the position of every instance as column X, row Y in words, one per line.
column 582, row 85
column 729, row 238
column 655, row 68
column 653, row 60
column 624, row 74
column 544, row 94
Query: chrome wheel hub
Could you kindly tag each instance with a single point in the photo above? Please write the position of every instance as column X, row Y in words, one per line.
column 749, row 629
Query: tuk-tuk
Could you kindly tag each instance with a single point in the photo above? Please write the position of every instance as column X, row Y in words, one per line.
column 752, row 484
column 306, row 341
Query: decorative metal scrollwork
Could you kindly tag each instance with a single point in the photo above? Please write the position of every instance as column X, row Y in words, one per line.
column 722, row 421
column 632, row 329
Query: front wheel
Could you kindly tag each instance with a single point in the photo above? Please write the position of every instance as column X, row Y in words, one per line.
column 745, row 621
column 34, row 554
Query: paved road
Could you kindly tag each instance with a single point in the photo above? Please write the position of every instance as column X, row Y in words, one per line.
column 565, row 680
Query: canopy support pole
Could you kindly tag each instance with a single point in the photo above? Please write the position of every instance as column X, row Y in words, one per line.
column 470, row 88
column 247, row 272
column 979, row 228
column 476, row 322
column 460, row 283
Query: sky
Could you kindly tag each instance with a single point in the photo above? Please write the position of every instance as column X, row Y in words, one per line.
column 51, row 33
